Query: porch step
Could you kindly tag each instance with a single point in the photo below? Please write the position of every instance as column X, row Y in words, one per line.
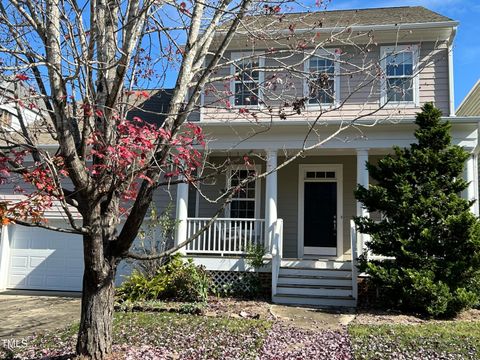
column 312, row 290
column 315, row 301
column 315, row 283
column 301, row 271
column 317, row 264
column 313, row 280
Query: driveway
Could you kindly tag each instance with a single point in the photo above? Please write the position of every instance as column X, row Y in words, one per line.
column 24, row 313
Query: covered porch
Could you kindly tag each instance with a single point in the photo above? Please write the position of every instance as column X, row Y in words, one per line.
column 301, row 214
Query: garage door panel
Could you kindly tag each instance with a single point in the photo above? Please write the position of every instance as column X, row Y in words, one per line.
column 19, row 262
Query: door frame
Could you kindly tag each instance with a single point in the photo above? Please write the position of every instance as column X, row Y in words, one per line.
column 338, row 168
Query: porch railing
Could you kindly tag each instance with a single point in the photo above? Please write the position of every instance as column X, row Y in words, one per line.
column 225, row 236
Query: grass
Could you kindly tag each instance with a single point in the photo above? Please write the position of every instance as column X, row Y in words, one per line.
column 141, row 335
column 190, row 335
column 437, row 340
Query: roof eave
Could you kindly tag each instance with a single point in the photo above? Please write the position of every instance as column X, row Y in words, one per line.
column 402, row 26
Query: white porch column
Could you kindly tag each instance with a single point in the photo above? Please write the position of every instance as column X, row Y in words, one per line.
column 362, row 179
column 181, row 214
column 271, row 197
column 471, row 175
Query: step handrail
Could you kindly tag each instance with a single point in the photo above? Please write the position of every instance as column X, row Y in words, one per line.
column 354, row 247
column 277, row 251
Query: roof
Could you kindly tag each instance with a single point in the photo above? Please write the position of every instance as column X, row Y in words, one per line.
column 344, row 18
column 470, row 106
column 154, row 109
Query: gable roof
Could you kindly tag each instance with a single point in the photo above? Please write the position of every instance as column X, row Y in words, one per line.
column 345, row 18
column 470, row 105
column 154, row 109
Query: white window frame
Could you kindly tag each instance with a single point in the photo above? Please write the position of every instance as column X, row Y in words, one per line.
column 257, row 200
column 335, row 54
column 384, row 52
column 235, row 56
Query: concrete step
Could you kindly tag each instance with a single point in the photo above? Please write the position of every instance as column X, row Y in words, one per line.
column 315, row 301
column 316, row 264
column 337, row 291
column 330, row 273
column 313, row 280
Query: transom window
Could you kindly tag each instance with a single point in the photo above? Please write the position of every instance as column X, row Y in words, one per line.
column 320, row 175
column 247, row 80
column 244, row 202
column 400, row 81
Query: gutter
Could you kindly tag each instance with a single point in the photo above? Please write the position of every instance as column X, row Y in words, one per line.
column 404, row 121
column 451, row 83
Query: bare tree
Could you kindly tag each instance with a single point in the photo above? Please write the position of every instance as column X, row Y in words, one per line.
column 80, row 67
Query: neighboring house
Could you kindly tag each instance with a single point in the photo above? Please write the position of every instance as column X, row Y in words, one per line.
column 302, row 213
column 470, row 108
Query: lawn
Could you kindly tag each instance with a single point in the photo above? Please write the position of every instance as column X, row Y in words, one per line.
column 224, row 334
column 430, row 340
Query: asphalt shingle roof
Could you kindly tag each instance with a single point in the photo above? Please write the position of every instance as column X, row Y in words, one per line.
column 343, row 18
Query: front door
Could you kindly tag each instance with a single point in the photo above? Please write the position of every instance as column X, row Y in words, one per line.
column 320, row 216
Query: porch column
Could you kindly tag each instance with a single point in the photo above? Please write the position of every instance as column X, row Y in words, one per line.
column 181, row 214
column 271, row 197
column 362, row 179
column 471, row 175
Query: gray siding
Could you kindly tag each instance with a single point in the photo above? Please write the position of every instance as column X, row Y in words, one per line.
column 359, row 90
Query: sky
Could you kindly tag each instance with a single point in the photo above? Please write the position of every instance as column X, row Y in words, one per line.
column 466, row 56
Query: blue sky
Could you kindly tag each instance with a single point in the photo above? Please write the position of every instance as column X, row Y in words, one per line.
column 467, row 43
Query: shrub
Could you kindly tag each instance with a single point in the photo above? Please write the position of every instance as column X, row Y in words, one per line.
column 176, row 280
column 425, row 226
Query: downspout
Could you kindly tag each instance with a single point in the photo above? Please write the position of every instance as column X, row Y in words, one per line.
column 451, row 87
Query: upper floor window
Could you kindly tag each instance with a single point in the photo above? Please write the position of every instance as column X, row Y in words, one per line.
column 399, row 64
column 322, row 86
column 247, row 79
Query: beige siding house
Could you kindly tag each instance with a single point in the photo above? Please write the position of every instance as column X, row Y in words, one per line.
column 378, row 66
column 302, row 213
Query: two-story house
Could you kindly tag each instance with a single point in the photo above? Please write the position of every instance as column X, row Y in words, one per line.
column 338, row 105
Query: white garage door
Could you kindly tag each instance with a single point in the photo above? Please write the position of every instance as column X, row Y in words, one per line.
column 45, row 260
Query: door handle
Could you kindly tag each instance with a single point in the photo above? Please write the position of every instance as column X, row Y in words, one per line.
column 334, row 222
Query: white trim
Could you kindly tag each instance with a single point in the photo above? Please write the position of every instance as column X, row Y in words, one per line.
column 241, row 55
column 451, row 81
column 258, row 187
column 4, row 255
column 336, row 80
column 397, row 49
column 338, row 168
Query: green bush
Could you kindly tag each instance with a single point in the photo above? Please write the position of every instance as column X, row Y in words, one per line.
column 176, row 280
column 425, row 226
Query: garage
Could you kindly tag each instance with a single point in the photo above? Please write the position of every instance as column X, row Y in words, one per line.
column 44, row 260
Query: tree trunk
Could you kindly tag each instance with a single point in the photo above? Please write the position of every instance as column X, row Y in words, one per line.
column 95, row 333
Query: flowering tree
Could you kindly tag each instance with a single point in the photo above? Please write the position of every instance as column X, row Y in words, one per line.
column 79, row 67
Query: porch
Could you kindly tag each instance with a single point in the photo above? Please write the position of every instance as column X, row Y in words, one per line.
column 302, row 217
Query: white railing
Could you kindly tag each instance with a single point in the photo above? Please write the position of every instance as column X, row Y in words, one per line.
column 277, row 251
column 355, row 251
column 225, row 236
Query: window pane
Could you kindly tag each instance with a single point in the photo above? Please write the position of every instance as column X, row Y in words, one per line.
column 400, row 64
column 321, row 91
column 246, row 93
column 400, row 89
